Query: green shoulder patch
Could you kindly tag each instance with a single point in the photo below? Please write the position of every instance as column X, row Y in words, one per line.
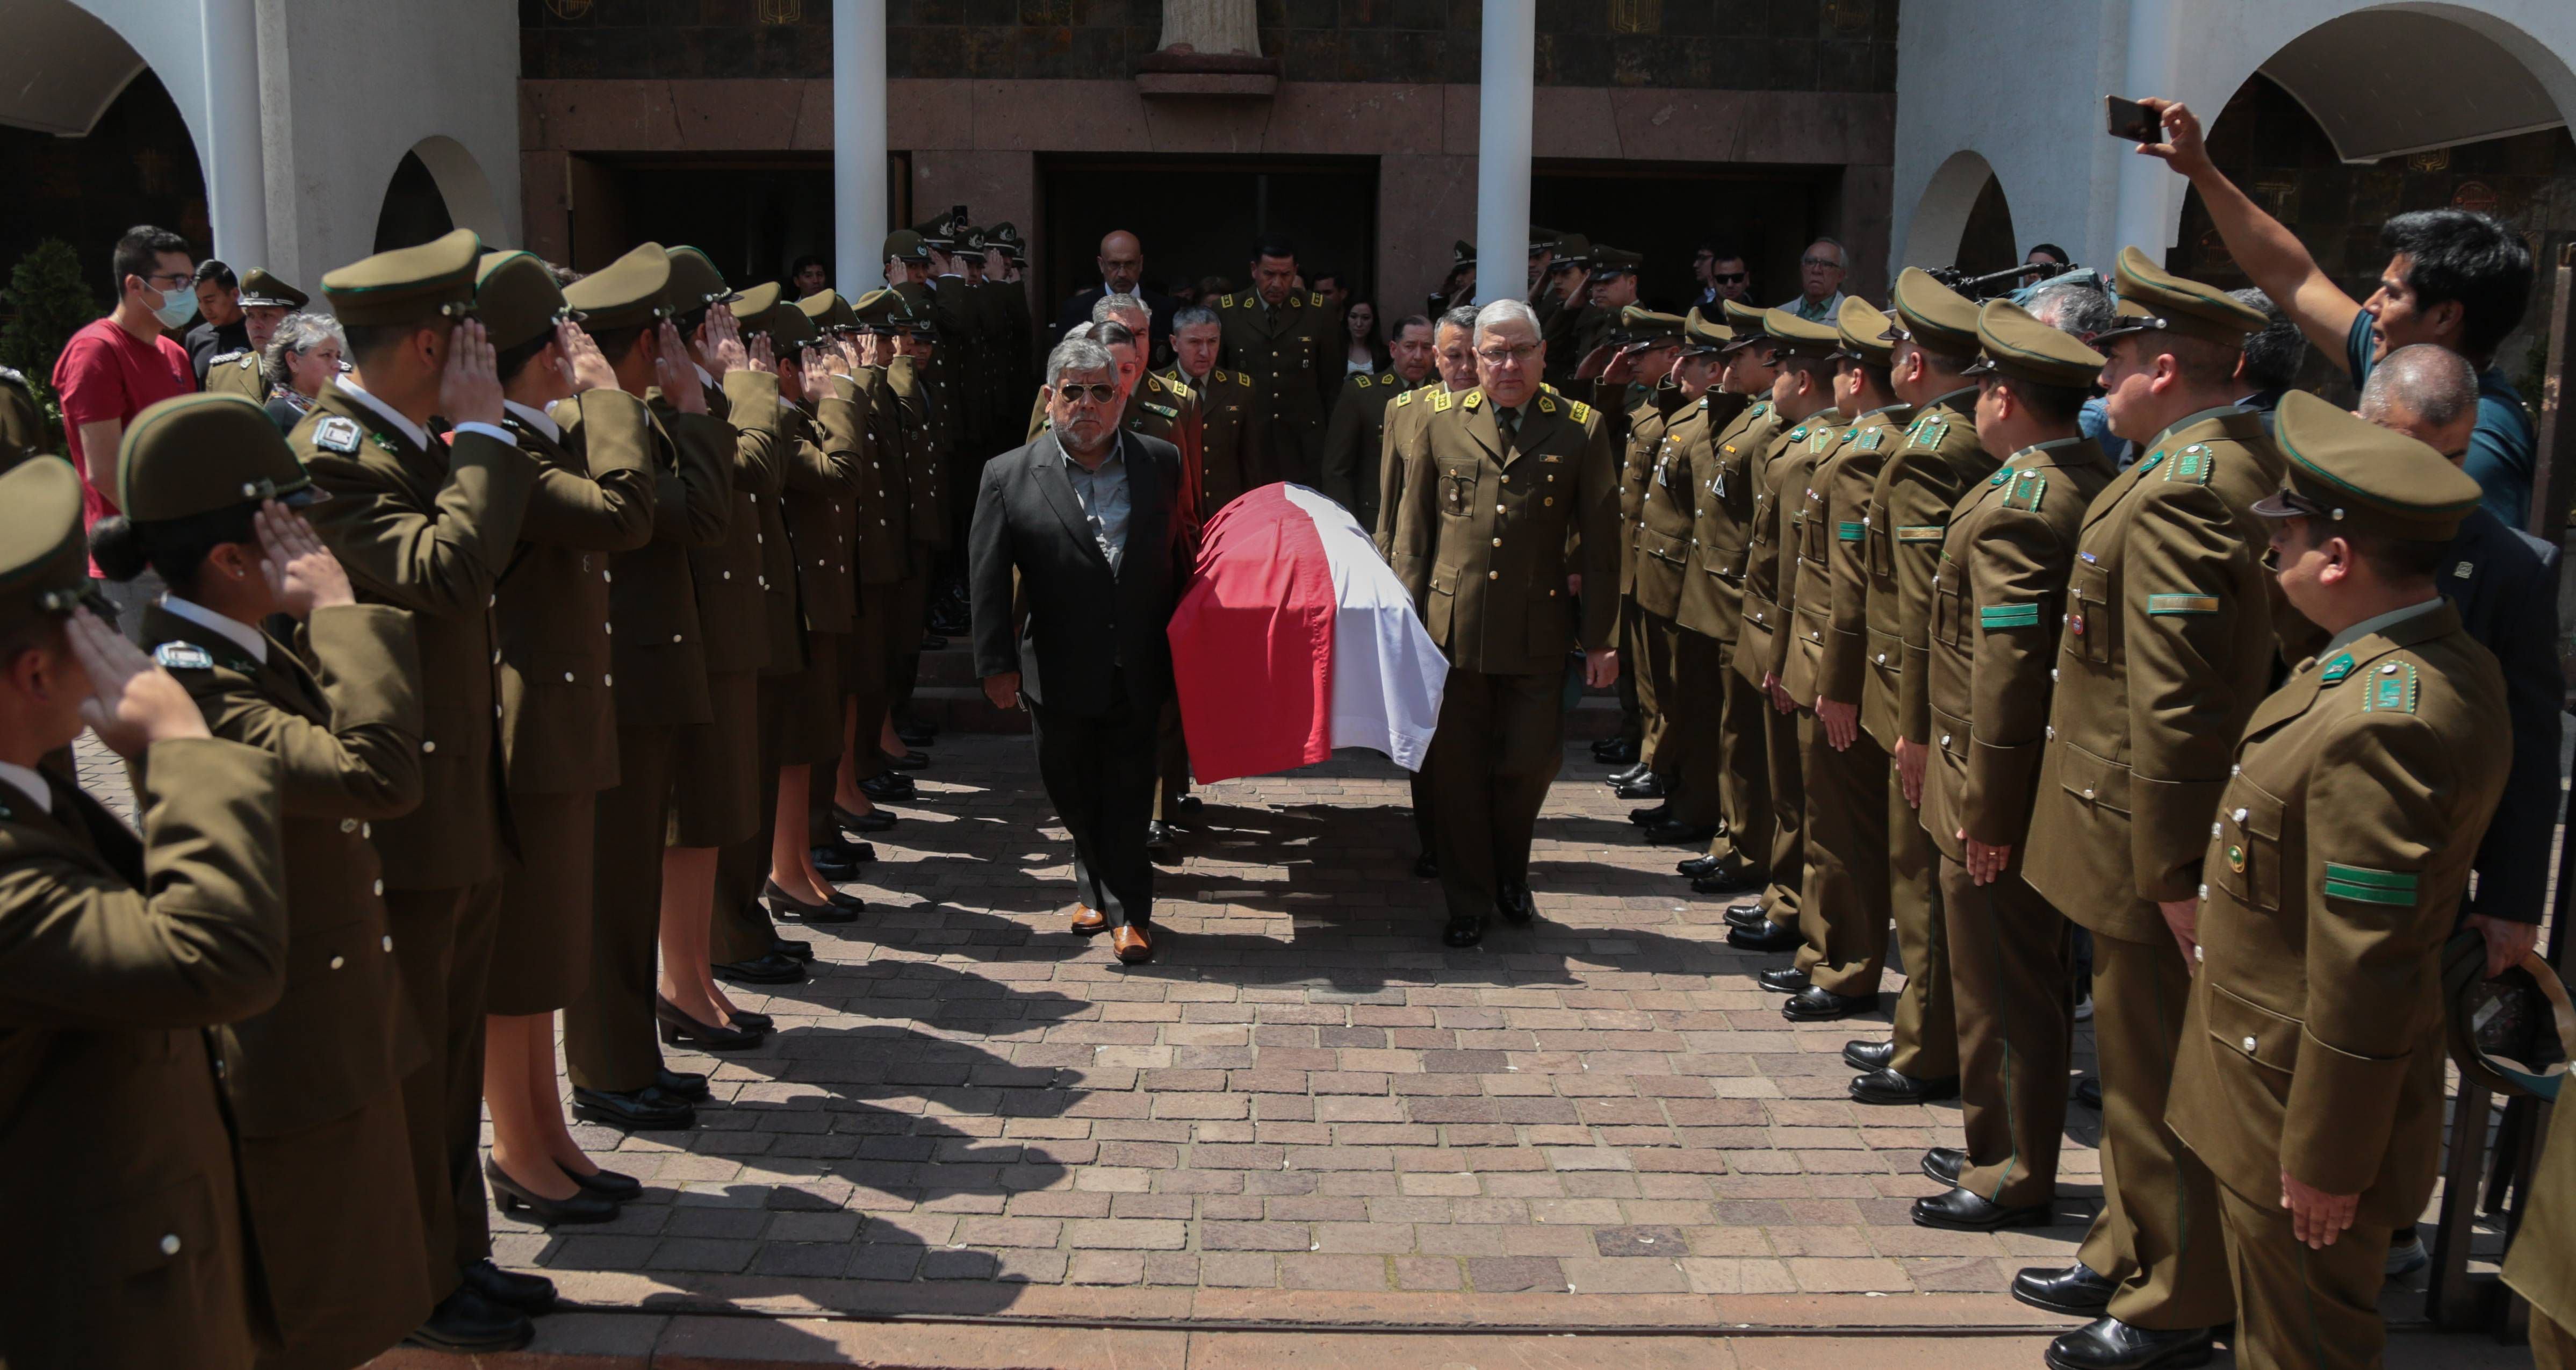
column 2336, row 669
column 2182, row 604
column 1850, row 532
column 2363, row 885
column 1873, row 439
column 1798, row 432
column 1929, row 430
column 2027, row 490
column 1760, row 408
column 2193, row 464
column 2393, row 689
column 2008, row 615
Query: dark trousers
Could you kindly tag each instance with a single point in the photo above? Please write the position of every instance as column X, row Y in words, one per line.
column 443, row 951
column 1693, row 705
column 1632, row 709
column 2158, row 1231
column 910, row 608
column 2012, row 968
column 741, row 930
column 1742, row 761
column 1844, row 911
column 1927, row 1027
column 1787, row 765
column 2298, row 1308
column 1098, row 770
column 1656, row 642
column 609, row 1041
column 1498, row 746
column 1171, row 763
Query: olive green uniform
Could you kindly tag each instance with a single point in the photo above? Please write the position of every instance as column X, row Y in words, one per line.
column 1489, row 532
column 2169, row 644
column 891, row 594
column 238, row 373
column 1647, row 669
column 716, row 771
column 2314, row 1041
column 1232, row 457
column 1843, row 907
column 1732, row 764
column 1768, row 625
column 1908, row 509
column 1675, row 668
column 1291, row 352
column 2541, row 1267
column 1998, row 605
column 1356, row 441
column 313, row 1082
column 431, row 529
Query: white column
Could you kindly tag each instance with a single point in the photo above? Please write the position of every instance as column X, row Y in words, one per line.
column 1503, row 148
column 2149, row 195
column 236, row 181
column 858, row 144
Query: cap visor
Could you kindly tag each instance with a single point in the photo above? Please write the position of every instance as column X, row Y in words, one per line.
column 2279, row 505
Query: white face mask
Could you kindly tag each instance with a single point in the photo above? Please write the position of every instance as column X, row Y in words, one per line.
column 177, row 307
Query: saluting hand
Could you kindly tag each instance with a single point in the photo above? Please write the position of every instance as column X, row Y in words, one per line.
column 761, row 357
column 587, row 366
column 677, row 377
column 132, row 703
column 470, row 389
column 302, row 574
column 720, row 338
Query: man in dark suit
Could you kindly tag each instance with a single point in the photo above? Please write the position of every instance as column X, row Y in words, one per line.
column 2505, row 583
column 1086, row 517
column 1122, row 272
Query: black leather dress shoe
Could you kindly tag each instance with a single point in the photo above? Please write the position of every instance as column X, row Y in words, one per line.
column 529, row 1294
column 1648, row 786
column 769, row 968
column 1189, row 803
column 2088, row 1092
column 1696, row 867
column 681, row 1030
column 467, row 1323
column 832, row 865
column 1813, row 1005
column 749, row 1021
column 1730, row 877
column 687, row 1086
column 1767, row 936
column 649, row 1109
column 1961, row 1211
column 2110, row 1344
column 910, row 760
column 1630, row 776
column 515, row 1198
column 1670, row 833
column 1159, row 835
column 874, row 820
column 1463, row 932
column 1615, row 751
column 614, row 1185
column 888, row 787
column 1650, row 815
column 794, row 948
column 1945, row 1164
column 1892, row 1086
column 1748, row 916
column 2073, row 1290
column 1786, row 980
column 1426, row 867
column 1512, row 900
column 1869, row 1055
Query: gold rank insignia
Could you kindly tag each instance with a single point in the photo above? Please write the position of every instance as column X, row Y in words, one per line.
column 1440, row 403
column 1582, row 413
column 1404, row 399
column 1473, row 398
column 1243, row 378
column 1179, row 389
column 1226, row 303
column 1316, row 297
column 1546, row 405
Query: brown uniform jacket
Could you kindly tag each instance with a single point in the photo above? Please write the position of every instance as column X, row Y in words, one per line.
column 1490, row 530
column 1394, row 473
column 885, row 487
column 240, row 373
column 325, row 1219
column 1637, row 436
column 1830, row 601
column 655, row 645
column 1668, row 509
column 1291, row 352
column 1355, row 443
column 1722, row 468
column 2336, row 863
column 125, row 1239
column 1234, row 453
column 741, row 419
column 926, row 505
column 2168, row 647
column 1780, row 475
column 1909, row 510
column 1998, row 604
column 593, row 499
column 824, row 477
column 429, row 530
column 2541, row 1266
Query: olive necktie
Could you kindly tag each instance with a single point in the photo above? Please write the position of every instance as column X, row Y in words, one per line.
column 1509, row 421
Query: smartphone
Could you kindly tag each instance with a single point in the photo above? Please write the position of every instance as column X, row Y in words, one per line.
column 957, row 217
column 2131, row 120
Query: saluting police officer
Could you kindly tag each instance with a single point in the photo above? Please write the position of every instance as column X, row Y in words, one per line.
column 1289, row 341
column 209, row 488
column 430, row 526
column 1935, row 332
column 1631, row 380
column 2170, row 642
column 265, row 302
column 1998, row 604
column 1495, row 590
column 1730, row 765
column 657, row 649
column 2309, row 1079
column 1843, row 912
column 1802, row 394
column 118, row 1155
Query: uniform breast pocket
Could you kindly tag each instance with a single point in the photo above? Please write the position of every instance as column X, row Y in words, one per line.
column 2092, row 615
column 2245, row 852
column 1880, row 552
column 1950, row 605
column 1457, row 490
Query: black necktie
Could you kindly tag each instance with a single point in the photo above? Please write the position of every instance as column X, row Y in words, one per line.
column 1508, row 420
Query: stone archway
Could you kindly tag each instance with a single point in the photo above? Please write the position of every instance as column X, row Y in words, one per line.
column 1950, row 200
column 464, row 188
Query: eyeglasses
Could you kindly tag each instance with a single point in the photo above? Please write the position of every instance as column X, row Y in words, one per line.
column 1097, row 394
column 1496, row 356
column 1728, row 277
column 1820, row 261
column 182, row 277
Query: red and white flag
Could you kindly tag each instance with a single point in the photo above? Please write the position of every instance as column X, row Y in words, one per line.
column 1294, row 638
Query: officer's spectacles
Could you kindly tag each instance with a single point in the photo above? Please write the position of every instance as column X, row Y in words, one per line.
column 1820, row 261
column 1501, row 356
column 1097, row 394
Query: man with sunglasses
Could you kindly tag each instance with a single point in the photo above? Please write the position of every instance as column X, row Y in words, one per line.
column 1722, row 276
column 116, row 367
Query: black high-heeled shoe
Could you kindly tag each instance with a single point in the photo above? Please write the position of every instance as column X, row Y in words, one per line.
column 839, row 908
column 749, row 1021
column 585, row 1206
column 610, row 1185
column 679, row 1029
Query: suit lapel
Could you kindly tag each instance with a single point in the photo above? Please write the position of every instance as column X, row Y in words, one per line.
column 1487, row 433
column 1046, row 467
column 1539, row 419
column 1144, row 509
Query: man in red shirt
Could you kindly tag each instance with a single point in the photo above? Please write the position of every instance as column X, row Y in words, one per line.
column 117, row 367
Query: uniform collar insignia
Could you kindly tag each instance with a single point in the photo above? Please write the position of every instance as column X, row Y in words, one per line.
column 2336, row 669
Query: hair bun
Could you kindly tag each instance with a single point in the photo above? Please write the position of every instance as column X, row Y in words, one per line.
column 117, row 547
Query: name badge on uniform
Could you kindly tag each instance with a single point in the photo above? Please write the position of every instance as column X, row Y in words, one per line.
column 336, row 434
column 183, row 656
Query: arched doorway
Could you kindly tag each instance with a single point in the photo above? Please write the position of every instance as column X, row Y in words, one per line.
column 1963, row 218
column 436, row 188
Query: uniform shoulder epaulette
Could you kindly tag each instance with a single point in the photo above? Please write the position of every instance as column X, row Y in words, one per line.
column 2194, row 464
column 1580, row 412
column 2392, row 689
column 1226, row 303
column 1471, row 399
column 1365, row 381
column 183, row 656
column 1243, row 378
column 1546, row 404
column 336, row 434
column 1798, row 432
column 1760, row 408
column 1181, row 390
column 220, row 358
column 1440, row 403
column 1404, row 399
column 1315, row 297
column 1870, row 441
column 2026, row 490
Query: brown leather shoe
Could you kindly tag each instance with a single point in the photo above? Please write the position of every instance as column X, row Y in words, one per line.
column 1088, row 921
column 1132, row 945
